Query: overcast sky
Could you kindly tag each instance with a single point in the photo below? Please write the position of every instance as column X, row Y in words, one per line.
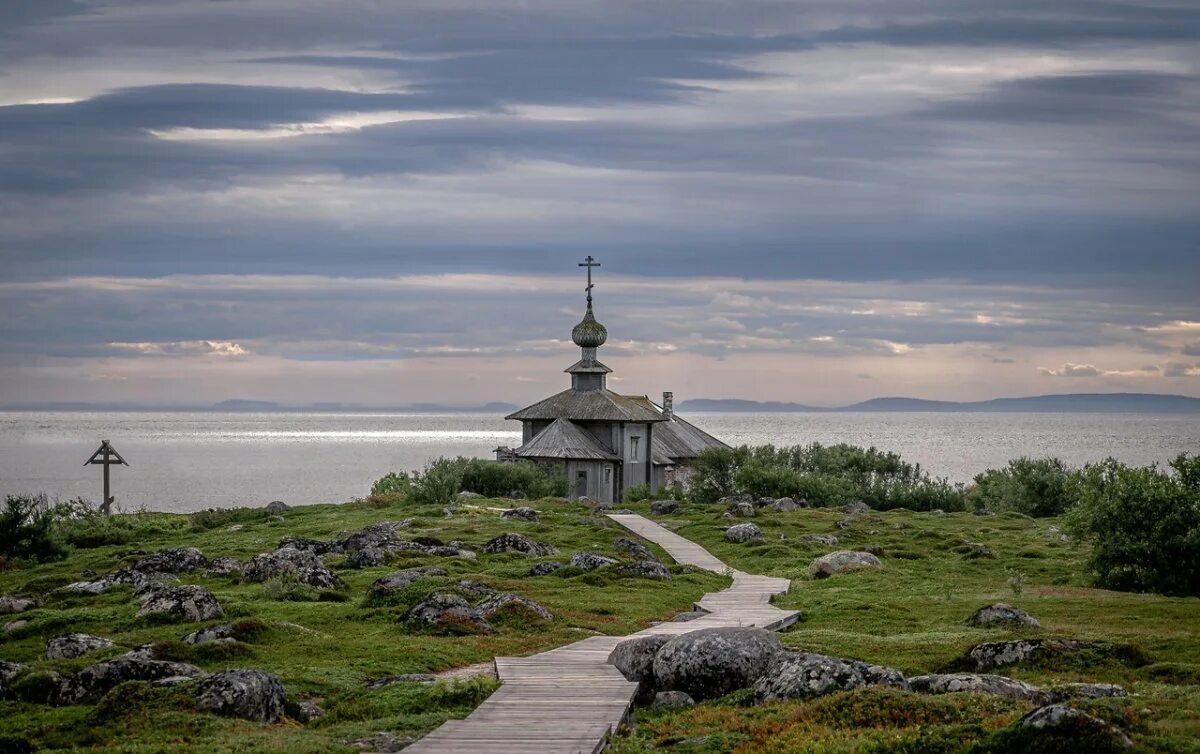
column 385, row 202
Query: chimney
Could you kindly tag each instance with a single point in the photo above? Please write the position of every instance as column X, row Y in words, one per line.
column 668, row 404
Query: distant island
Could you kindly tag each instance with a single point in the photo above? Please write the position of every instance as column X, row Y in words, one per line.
column 247, row 405
column 1142, row 403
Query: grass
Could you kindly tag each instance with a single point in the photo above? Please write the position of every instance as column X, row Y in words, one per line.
column 912, row 614
column 325, row 647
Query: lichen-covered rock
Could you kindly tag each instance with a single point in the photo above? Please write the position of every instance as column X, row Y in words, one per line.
column 742, row 510
column 544, row 569
column 8, row 672
column 856, row 508
column 512, row 542
column 1064, row 691
column 744, row 533
column 787, row 505
column 394, row 582
column 14, row 626
column 449, row 612
column 212, row 633
column 194, row 603
column 827, row 540
column 1074, row 724
column 367, row 557
column 673, row 699
column 635, row 659
column 507, row 603
column 304, row 563
column 309, row 711
column 224, row 566
column 663, row 507
column 475, row 589
column 634, row 548
column 949, row 683
column 712, row 662
column 91, row 683
column 644, row 569
column 983, row 512
column 525, row 513
column 998, row 654
column 381, row 534
column 68, row 646
column 247, row 694
column 803, row 675
column 99, row 586
column 175, row 560
column 10, row 605
column 1001, row 614
column 468, row 495
column 590, row 561
column 315, row 546
column 840, row 562
column 275, row 507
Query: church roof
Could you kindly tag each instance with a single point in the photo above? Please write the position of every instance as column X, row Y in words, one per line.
column 591, row 405
column 564, row 439
column 677, row 439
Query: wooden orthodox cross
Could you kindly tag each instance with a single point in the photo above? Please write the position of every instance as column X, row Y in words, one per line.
column 106, row 456
column 589, row 263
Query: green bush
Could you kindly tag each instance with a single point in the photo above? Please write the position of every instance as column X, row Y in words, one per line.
column 1143, row 524
column 1033, row 486
column 28, row 529
column 444, row 478
column 398, row 484
column 636, row 493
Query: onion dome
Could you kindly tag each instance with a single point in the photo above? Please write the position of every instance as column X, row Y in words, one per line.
column 589, row 333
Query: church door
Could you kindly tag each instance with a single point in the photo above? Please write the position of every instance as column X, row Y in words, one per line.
column 581, row 485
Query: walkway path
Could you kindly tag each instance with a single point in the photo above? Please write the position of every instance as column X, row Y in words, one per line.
column 570, row 700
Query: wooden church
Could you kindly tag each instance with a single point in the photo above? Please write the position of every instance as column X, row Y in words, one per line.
column 606, row 442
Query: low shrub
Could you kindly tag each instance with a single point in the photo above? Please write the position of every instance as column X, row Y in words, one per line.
column 636, row 493
column 1034, row 486
column 444, row 478
column 215, row 518
column 28, row 529
column 394, row 484
column 287, row 588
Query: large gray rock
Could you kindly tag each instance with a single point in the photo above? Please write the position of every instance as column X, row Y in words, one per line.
column 381, row 534
column 99, row 586
column 949, row 683
column 525, row 513
column 544, row 569
column 224, row 566
column 248, row 694
column 91, row 683
column 998, row 654
column 712, row 662
column 9, row 605
column 315, row 546
column 8, row 672
column 787, row 505
column 663, row 507
column 856, row 508
column 175, row 560
column 308, row 568
column 1001, row 614
column 590, row 561
column 803, row 675
column 633, row 547
column 827, row 540
column 644, row 569
column 395, row 582
column 194, row 603
column 512, row 542
column 275, row 507
column 68, row 646
column 506, row 602
column 744, row 533
column 1072, row 722
column 673, row 699
column 447, row 611
column 840, row 562
column 1064, row 691
column 212, row 633
column 635, row 659
column 742, row 510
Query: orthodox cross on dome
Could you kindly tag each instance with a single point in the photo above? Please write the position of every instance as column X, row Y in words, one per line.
column 589, row 263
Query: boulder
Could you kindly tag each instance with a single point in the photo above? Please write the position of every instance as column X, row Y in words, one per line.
column 315, row 546
column 827, row 540
column 998, row 654
column 304, row 563
column 974, row 550
column 247, row 694
column 744, row 533
column 212, row 633
column 712, row 662
column 983, row 512
column 10, row 605
column 8, row 672
column 381, row 534
column 224, row 566
column 512, row 542
column 447, row 611
column 100, row 586
column 14, row 626
column 194, row 603
column 785, row 505
column 367, row 557
column 309, row 711
column 633, row 547
column 949, row 683
column 1064, row 691
column 394, row 582
column 507, row 603
column 544, row 569
column 845, row 523
column 840, row 562
column 1074, row 724
column 590, row 561
column 663, row 507
column 803, row 675
column 689, row 616
column 645, row 569
column 475, row 589
column 175, row 560
column 1001, row 614
column 1055, row 533
column 275, row 507
column 68, row 646
column 742, row 510
column 635, row 659
column 524, row 513
column 673, row 699
column 468, row 495
column 91, row 683
column 856, row 508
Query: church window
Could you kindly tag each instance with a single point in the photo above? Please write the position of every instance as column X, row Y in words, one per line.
column 633, row 447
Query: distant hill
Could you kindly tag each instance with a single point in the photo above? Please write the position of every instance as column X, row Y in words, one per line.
column 1145, row 403
column 240, row 404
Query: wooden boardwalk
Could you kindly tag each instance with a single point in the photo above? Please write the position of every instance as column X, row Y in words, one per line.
column 570, row 700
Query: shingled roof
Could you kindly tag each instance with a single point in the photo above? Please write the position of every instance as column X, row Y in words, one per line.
column 565, row 439
column 677, row 439
column 591, row 405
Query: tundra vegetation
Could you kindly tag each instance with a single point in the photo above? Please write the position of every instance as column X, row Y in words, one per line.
column 383, row 592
